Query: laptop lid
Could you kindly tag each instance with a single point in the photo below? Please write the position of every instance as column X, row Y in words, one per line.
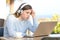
column 45, row 28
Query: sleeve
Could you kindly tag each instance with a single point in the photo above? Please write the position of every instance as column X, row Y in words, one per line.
column 11, row 27
column 34, row 26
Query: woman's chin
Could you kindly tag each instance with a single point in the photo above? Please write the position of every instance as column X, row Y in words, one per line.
column 26, row 18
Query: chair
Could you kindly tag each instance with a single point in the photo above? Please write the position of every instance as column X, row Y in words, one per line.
column 1, row 27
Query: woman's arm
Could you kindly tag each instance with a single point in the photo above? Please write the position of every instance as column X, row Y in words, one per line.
column 35, row 22
column 10, row 25
column 34, row 26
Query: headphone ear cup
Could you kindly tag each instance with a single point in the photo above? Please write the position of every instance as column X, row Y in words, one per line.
column 21, row 11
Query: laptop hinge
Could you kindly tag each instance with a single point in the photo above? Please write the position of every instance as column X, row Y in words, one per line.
column 34, row 36
column 41, row 36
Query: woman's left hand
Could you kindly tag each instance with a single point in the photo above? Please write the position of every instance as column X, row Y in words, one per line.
column 33, row 14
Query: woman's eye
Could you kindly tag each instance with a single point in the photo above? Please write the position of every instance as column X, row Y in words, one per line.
column 27, row 12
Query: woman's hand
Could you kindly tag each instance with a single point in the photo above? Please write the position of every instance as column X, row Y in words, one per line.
column 33, row 14
column 19, row 35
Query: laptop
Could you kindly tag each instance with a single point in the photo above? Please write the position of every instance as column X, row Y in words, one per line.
column 44, row 29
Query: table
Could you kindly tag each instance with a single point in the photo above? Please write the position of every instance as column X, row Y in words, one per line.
column 49, row 37
column 52, row 37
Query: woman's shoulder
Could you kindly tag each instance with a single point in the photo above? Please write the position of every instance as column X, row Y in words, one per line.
column 11, row 17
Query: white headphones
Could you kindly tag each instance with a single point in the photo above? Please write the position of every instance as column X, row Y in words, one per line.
column 20, row 10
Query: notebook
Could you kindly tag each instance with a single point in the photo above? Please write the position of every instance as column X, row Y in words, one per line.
column 44, row 29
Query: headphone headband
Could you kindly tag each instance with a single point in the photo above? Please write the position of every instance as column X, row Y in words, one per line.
column 23, row 5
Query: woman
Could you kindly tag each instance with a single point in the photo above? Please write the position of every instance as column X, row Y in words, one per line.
column 17, row 24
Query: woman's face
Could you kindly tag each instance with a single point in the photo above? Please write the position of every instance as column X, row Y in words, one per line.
column 25, row 14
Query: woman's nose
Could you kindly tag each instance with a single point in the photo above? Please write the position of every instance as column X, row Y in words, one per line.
column 28, row 14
